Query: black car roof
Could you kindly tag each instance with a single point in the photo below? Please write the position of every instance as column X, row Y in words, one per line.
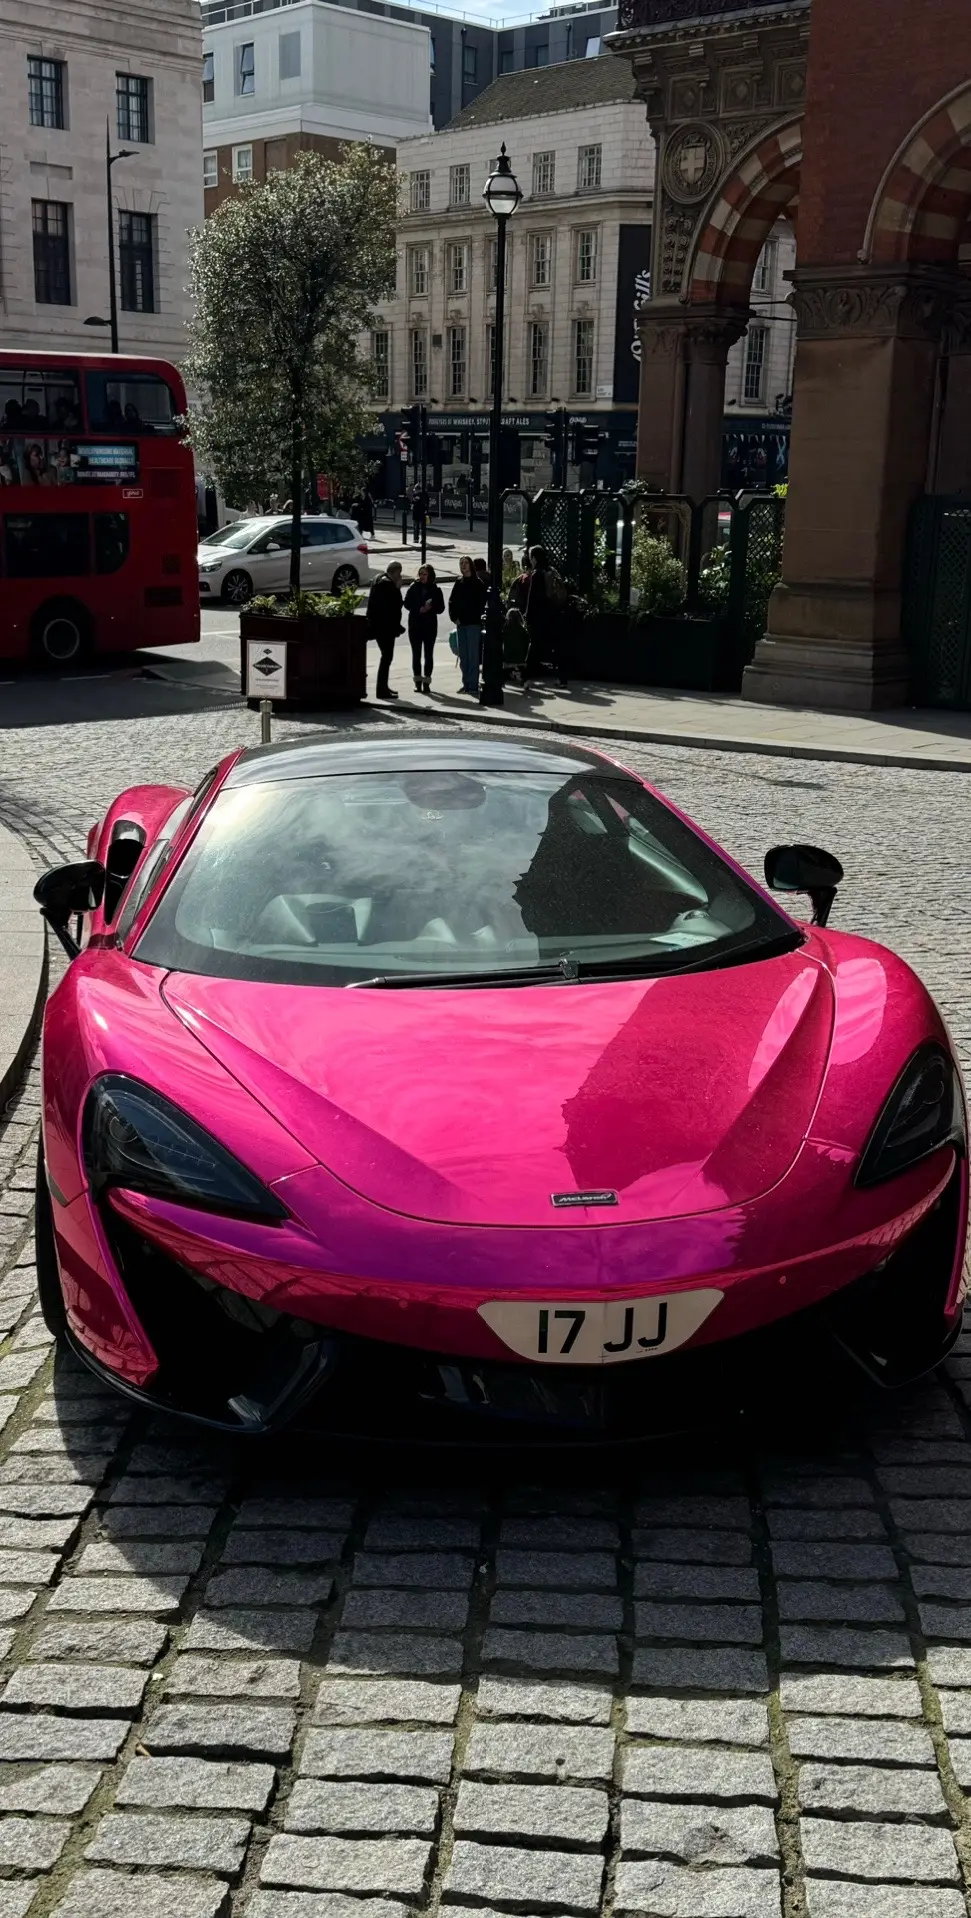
column 436, row 752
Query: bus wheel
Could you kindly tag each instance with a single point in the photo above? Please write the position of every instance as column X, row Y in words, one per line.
column 61, row 633
column 237, row 587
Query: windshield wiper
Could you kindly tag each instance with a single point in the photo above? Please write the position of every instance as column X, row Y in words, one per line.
column 564, row 969
column 700, row 961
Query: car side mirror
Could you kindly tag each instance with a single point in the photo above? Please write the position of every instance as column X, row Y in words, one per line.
column 805, row 869
column 66, row 891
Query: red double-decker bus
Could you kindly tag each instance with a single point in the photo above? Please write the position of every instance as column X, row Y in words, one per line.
column 98, row 526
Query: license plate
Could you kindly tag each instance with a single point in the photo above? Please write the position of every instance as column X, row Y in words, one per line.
column 601, row 1332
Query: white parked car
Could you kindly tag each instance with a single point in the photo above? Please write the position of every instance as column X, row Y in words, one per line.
column 254, row 557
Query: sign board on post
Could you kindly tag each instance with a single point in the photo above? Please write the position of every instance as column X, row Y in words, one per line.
column 323, row 487
column 266, row 669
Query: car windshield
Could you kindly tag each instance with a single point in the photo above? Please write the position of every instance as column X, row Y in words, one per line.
column 234, row 538
column 334, row 880
column 223, row 534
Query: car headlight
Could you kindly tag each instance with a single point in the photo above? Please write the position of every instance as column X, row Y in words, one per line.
column 210, row 565
column 133, row 1137
column 925, row 1110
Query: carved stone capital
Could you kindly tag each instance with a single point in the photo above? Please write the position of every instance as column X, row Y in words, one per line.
column 896, row 303
column 711, row 335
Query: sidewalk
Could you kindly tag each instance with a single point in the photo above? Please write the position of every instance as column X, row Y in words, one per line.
column 933, row 741
column 23, row 961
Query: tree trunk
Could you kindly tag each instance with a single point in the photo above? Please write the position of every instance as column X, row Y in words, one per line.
column 296, row 495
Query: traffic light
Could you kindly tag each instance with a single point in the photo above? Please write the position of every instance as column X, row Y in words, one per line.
column 586, row 444
column 555, row 442
column 406, row 439
column 551, row 438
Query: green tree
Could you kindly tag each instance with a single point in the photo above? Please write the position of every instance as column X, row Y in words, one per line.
column 285, row 276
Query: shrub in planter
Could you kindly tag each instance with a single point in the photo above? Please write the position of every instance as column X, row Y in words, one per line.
column 326, row 646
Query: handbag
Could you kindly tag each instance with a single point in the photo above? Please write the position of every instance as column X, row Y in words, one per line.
column 453, row 640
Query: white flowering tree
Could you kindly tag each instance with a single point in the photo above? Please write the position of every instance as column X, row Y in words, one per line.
column 285, row 276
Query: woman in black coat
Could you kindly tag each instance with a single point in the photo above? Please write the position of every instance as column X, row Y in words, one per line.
column 423, row 603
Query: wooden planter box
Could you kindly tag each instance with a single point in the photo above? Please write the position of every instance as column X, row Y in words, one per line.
column 684, row 655
column 326, row 659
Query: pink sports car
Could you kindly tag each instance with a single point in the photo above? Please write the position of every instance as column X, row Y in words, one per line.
column 441, row 1080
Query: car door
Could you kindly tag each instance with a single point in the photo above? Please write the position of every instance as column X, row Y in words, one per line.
column 268, row 560
column 341, row 549
column 314, row 569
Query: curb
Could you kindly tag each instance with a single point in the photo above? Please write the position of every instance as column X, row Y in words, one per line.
column 657, row 736
column 23, row 962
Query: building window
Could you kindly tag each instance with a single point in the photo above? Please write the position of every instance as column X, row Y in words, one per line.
column 459, row 185
column 45, row 86
column 381, row 362
column 457, row 361
column 588, row 168
column 540, row 259
column 539, row 358
column 544, row 174
column 421, row 191
column 593, row 46
column 136, row 259
column 753, row 373
column 289, row 56
column 583, row 356
column 246, row 68
column 762, row 277
column 242, row 164
column 210, row 169
column 457, row 267
column 470, row 64
column 506, row 59
column 431, row 51
column 52, row 253
column 586, row 261
column 208, row 78
column 419, row 363
column 418, row 270
column 132, row 103
column 539, row 56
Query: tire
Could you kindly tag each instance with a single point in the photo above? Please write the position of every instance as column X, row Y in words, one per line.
column 237, row 587
column 344, row 577
column 61, row 633
column 48, row 1276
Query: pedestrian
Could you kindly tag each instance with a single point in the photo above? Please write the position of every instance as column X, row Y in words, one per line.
column 384, row 622
column 419, row 510
column 423, row 602
column 545, row 612
column 366, row 521
column 466, row 606
column 482, row 572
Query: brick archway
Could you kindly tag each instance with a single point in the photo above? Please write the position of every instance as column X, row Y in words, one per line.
column 921, row 210
column 763, row 184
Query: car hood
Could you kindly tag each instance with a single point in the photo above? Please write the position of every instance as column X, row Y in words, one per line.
column 678, row 1095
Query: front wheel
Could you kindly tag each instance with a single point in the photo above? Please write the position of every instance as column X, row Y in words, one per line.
column 344, row 577
column 48, row 1276
column 237, row 587
column 61, row 634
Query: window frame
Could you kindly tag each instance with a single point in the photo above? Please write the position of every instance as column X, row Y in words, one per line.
column 42, row 257
column 541, row 190
column 137, row 275
column 418, row 337
column 242, row 179
column 460, row 177
column 210, row 153
column 420, row 190
column 133, row 88
column 290, row 37
column 592, row 234
column 457, row 332
column 541, row 245
column 37, row 84
column 379, row 360
column 589, row 163
column 421, row 252
column 456, row 257
column 756, row 331
column 243, row 70
column 539, row 383
column 208, row 77
column 542, row 48
column 585, row 324
column 470, row 65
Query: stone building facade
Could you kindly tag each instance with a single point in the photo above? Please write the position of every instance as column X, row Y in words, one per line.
column 69, row 69
column 581, row 151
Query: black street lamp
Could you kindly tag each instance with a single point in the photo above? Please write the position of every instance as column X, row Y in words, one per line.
column 502, row 196
column 111, row 159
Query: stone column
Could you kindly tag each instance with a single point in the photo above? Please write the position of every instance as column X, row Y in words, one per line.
column 863, row 401
column 660, row 414
column 709, row 338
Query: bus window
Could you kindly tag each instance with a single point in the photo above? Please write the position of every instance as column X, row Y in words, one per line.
column 129, row 403
column 35, row 398
column 110, row 541
column 46, row 545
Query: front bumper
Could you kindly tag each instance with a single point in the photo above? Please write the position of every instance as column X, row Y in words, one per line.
column 239, row 1364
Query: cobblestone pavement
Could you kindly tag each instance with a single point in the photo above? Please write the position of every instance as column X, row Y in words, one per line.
column 249, row 1682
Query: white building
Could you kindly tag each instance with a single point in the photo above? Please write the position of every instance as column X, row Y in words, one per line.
column 306, row 75
column 758, row 379
column 582, row 152
column 69, row 69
